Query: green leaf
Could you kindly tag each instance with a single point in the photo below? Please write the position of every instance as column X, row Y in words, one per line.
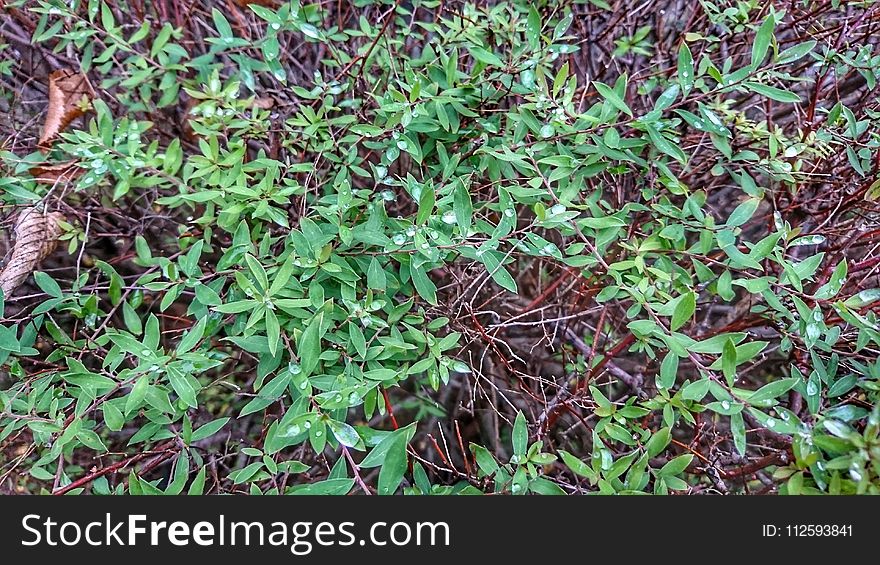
column 424, row 285
column 282, row 275
column 394, row 466
column 378, row 454
column 182, row 387
column 762, row 40
column 728, row 361
column 357, row 339
column 267, row 395
column 664, row 101
column 658, row 442
column 696, row 390
column 376, row 275
column 221, row 24
column 685, row 68
column 773, row 390
column 683, row 311
column 258, row 272
column 191, row 338
column 137, row 394
column 577, row 466
column 533, row 27
column 112, row 416
column 668, row 371
column 612, row 97
column 344, row 433
column 743, row 212
column 47, row 284
column 309, row 347
column 334, row 487
column 485, row 56
column 520, row 435
column 796, row 52
column 273, row 331
column 773, row 93
column 463, row 208
column 426, row 204
column 209, row 429
column 485, row 461
column 738, row 430
column 497, row 271
column 197, row 487
column 715, row 344
column 676, row 466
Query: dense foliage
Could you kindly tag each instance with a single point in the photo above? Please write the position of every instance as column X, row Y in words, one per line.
column 444, row 247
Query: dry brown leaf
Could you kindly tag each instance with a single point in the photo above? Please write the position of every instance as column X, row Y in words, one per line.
column 264, row 103
column 56, row 172
column 36, row 235
column 69, row 94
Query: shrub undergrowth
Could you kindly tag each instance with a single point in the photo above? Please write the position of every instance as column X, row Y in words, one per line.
column 445, row 247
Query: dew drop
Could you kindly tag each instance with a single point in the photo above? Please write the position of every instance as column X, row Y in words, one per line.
column 725, row 404
column 812, row 389
column 387, row 195
column 557, row 209
column 308, row 424
column 294, row 369
column 855, row 473
column 449, row 217
column 510, row 212
column 399, row 239
column 771, row 423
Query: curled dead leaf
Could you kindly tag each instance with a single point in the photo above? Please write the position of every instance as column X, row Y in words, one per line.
column 36, row 235
column 53, row 173
column 69, row 96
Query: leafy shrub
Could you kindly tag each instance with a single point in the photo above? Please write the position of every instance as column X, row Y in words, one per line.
column 443, row 247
